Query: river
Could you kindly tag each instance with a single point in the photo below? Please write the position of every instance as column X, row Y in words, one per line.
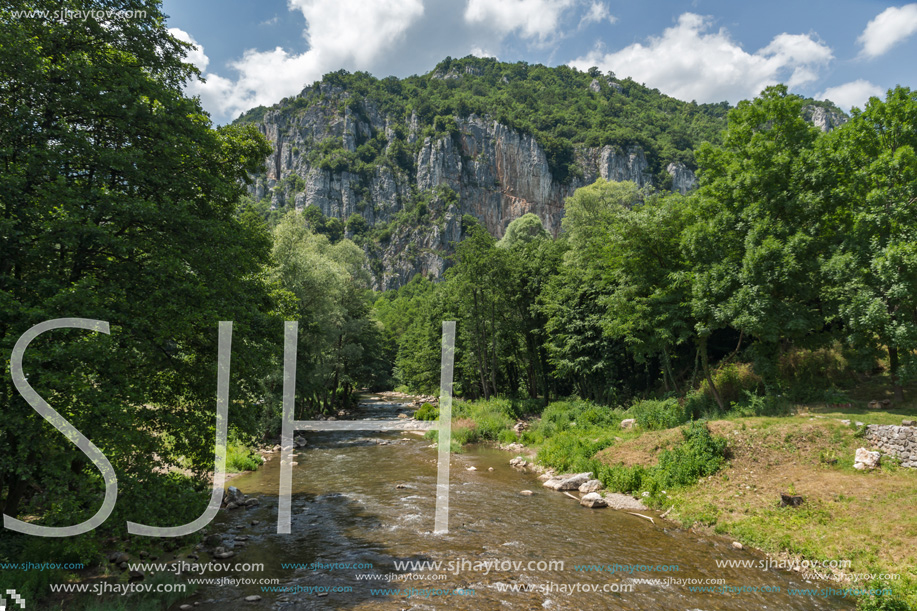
column 368, row 498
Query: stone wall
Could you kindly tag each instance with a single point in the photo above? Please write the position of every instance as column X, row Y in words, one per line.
column 897, row 441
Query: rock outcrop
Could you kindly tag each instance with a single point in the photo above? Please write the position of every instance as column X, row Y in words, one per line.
column 494, row 173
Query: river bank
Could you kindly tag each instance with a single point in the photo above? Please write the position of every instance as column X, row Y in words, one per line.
column 850, row 528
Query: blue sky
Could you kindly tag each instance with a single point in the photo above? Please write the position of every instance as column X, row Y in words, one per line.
column 255, row 52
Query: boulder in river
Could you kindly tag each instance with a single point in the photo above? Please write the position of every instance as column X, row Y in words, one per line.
column 234, row 495
column 593, row 500
column 567, row 482
column 518, row 462
column 592, row 485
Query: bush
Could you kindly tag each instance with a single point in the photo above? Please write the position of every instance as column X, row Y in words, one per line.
column 732, row 380
column 240, row 457
column 700, row 454
column 571, row 451
column 507, row 437
column 655, row 415
column 819, row 370
column 426, row 412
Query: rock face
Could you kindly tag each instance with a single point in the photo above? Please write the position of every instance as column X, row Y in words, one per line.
column 495, row 173
column 824, row 119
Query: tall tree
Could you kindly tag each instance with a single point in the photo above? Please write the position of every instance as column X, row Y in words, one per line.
column 117, row 202
column 872, row 162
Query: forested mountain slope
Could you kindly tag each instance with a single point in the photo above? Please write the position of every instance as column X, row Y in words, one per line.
column 401, row 162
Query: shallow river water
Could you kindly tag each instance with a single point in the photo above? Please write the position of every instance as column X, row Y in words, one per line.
column 348, row 508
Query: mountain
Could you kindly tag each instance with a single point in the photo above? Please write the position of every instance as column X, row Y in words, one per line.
column 406, row 165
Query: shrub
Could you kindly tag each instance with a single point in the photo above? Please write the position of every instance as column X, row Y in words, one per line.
column 570, row 451
column 507, row 436
column 240, row 457
column 803, row 370
column 655, row 415
column 427, row 412
column 731, row 380
column 699, row 455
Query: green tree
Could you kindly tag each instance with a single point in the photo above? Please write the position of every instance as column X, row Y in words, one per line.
column 760, row 230
column 872, row 163
column 117, row 202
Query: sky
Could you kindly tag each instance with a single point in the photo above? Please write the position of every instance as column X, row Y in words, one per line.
column 256, row 52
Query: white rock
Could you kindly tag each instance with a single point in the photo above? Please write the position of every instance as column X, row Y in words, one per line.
column 865, row 459
column 593, row 500
column 592, row 485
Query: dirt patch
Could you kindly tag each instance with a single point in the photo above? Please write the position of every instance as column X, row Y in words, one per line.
column 643, row 450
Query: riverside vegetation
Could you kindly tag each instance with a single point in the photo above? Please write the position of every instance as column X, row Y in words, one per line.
column 784, row 284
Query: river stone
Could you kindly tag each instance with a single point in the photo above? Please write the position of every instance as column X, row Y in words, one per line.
column 252, row 599
column 617, row 500
column 518, row 462
column 593, row 500
column 252, row 502
column 526, row 492
column 628, row 423
column 568, row 482
column 865, row 459
column 592, row 485
column 909, row 423
column 234, row 495
column 224, row 555
column 118, row 557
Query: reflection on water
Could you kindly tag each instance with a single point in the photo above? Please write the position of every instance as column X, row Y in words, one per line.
column 369, row 498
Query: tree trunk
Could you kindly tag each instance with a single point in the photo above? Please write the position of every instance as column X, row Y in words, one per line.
column 893, row 365
column 17, row 487
column 702, row 349
column 668, row 369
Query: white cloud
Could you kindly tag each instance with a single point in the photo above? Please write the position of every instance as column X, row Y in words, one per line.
column 597, row 13
column 479, row 52
column 196, row 55
column 341, row 34
column 532, row 19
column 855, row 93
column 890, row 27
column 688, row 62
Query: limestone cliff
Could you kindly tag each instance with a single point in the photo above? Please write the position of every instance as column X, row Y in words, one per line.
column 497, row 173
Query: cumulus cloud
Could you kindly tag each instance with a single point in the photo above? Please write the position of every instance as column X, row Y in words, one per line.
column 597, row 13
column 855, row 93
column 340, row 33
column 531, row 19
column 692, row 63
column 890, row 27
column 196, row 55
